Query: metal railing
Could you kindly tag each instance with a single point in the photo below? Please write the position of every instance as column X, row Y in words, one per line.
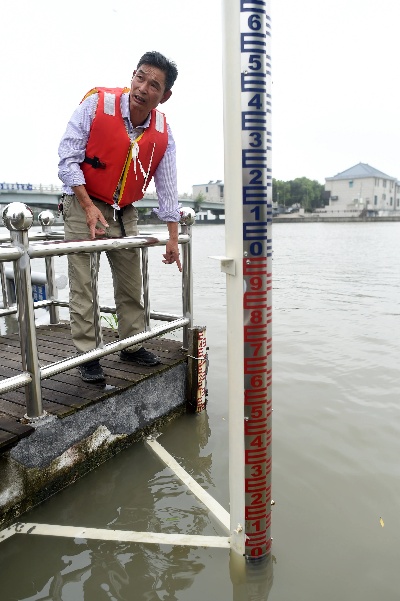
column 15, row 187
column 20, row 248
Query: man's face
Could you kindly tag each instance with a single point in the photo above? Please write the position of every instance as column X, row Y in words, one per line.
column 148, row 89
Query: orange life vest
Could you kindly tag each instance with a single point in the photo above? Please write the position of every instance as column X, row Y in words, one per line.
column 114, row 167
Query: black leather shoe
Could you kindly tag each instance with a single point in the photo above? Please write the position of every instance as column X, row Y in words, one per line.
column 140, row 357
column 91, row 371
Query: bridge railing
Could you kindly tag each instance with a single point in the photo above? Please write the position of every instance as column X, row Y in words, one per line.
column 20, row 248
column 4, row 187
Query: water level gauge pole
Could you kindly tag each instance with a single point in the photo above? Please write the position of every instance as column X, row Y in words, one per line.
column 248, row 217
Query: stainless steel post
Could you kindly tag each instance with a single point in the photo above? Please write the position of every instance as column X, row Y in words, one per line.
column 46, row 219
column 187, row 219
column 94, row 273
column 18, row 219
column 52, row 289
column 146, row 288
column 3, row 287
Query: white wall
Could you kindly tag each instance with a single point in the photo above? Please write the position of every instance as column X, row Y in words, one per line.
column 213, row 191
column 362, row 192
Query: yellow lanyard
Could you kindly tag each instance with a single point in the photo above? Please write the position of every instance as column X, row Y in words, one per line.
column 125, row 170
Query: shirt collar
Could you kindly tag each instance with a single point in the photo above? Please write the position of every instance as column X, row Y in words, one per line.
column 125, row 112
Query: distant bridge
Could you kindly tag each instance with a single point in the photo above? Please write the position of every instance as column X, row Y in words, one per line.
column 40, row 197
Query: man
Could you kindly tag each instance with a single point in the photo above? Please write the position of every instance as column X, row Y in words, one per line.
column 115, row 142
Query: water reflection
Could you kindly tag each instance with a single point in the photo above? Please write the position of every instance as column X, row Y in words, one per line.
column 8, row 325
column 252, row 581
column 188, row 445
column 149, row 499
column 109, row 571
column 102, row 571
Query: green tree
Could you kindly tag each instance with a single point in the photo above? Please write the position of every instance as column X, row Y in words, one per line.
column 302, row 191
column 281, row 192
column 200, row 198
column 143, row 214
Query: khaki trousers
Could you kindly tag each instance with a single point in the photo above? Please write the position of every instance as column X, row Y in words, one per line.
column 125, row 269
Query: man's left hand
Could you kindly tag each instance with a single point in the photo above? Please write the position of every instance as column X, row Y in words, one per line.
column 172, row 254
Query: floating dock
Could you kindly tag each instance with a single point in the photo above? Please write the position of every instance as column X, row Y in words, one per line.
column 86, row 423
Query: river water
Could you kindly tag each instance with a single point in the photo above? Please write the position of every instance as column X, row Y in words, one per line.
column 336, row 444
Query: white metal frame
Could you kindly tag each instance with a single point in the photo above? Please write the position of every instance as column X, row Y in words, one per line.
column 158, row 538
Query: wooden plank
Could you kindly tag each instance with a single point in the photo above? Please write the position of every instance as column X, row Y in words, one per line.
column 7, row 439
column 13, row 344
column 16, row 359
column 12, row 410
column 8, row 372
column 128, row 371
column 126, row 376
column 14, row 427
column 17, row 398
column 9, row 368
column 78, row 401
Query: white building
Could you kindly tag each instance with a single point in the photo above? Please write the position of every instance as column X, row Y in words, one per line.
column 213, row 191
column 363, row 187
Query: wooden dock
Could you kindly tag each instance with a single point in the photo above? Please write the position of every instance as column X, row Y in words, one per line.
column 65, row 394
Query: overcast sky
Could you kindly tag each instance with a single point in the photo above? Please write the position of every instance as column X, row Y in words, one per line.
column 335, row 72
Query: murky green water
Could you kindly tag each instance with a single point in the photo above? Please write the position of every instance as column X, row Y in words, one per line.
column 336, row 445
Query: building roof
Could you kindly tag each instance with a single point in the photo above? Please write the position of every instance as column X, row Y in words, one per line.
column 362, row 170
column 211, row 182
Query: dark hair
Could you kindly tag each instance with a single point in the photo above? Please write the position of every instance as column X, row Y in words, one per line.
column 155, row 59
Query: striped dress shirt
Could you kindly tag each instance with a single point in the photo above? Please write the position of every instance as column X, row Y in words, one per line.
column 72, row 153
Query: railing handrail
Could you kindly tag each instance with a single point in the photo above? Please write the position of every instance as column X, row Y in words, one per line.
column 112, row 347
column 54, row 248
column 48, row 244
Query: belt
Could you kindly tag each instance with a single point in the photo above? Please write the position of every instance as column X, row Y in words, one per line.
column 121, row 223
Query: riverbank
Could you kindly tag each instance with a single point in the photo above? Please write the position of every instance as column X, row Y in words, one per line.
column 315, row 218
column 142, row 221
column 293, row 218
column 312, row 218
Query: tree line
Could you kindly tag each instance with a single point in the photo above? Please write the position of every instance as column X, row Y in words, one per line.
column 304, row 192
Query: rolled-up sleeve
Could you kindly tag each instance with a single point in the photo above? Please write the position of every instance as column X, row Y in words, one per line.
column 73, row 144
column 165, row 179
